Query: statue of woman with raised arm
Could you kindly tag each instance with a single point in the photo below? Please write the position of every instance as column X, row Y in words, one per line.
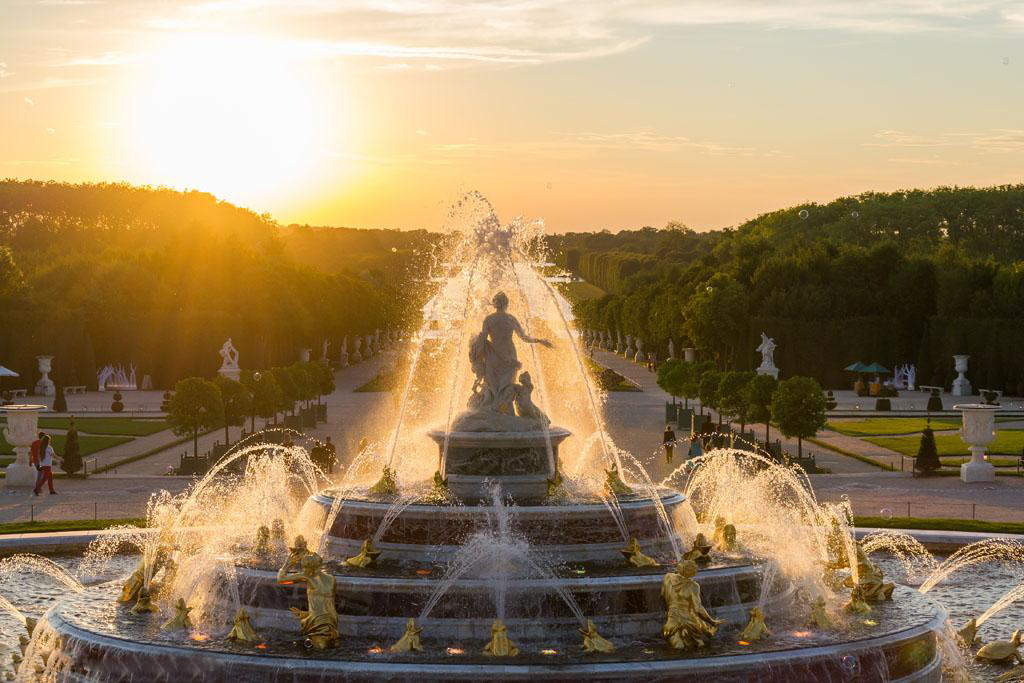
column 494, row 360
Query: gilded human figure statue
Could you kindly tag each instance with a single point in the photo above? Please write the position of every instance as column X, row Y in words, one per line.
column 494, row 360
column 688, row 623
column 320, row 622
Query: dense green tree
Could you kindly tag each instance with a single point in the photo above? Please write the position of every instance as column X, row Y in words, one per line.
column 195, row 407
column 732, row 396
column 289, row 390
column 266, row 395
column 237, row 401
column 60, row 401
column 798, row 406
column 670, row 375
column 758, row 394
column 707, row 391
column 927, row 461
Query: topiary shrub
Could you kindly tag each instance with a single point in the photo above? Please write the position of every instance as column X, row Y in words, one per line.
column 927, row 461
column 72, row 461
column 882, row 404
column 934, row 402
column 117, row 406
column 60, row 401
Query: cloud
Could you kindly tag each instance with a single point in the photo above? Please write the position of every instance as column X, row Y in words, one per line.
column 51, row 131
column 998, row 140
column 4, row 73
column 29, row 101
column 576, row 146
column 46, row 84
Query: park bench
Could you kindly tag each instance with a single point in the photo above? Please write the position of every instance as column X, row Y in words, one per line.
column 18, row 393
column 76, row 389
column 990, row 396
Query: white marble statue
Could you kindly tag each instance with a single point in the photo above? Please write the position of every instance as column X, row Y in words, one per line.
column 671, row 350
column 323, row 350
column 494, row 361
column 639, row 356
column 961, row 385
column 45, row 387
column 357, row 356
column 229, row 365
column 767, row 351
column 343, row 356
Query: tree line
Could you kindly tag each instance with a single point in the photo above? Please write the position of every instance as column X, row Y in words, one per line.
column 115, row 273
column 913, row 276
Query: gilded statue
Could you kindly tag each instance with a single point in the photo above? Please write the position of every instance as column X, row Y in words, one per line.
column 320, row 622
column 688, row 623
column 500, row 645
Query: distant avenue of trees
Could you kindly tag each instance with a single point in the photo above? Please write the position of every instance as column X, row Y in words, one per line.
column 913, row 276
column 114, row 273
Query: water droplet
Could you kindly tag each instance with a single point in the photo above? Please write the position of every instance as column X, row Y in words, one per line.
column 850, row 666
column 855, row 214
column 549, row 185
column 804, row 213
column 257, row 376
column 394, row 250
column 886, row 513
column 1006, row 61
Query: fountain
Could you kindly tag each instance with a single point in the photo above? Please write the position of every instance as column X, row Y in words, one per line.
column 508, row 540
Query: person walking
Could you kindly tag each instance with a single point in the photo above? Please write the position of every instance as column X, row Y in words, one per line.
column 330, row 456
column 33, row 458
column 669, row 441
column 45, row 465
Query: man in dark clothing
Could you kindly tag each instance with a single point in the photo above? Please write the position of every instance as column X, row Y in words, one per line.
column 330, row 456
column 669, row 441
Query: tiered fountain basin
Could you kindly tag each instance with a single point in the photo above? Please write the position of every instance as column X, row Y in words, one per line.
column 575, row 531
column 896, row 643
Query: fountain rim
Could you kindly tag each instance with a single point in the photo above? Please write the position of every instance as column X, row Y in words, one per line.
column 975, row 407
column 564, row 509
column 554, row 433
column 576, row 583
column 473, row 671
column 24, row 407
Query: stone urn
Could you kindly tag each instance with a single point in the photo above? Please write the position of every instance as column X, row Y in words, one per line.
column 978, row 431
column 44, row 387
column 961, row 385
column 22, row 429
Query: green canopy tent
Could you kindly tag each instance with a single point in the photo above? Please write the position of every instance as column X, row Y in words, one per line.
column 856, row 367
column 876, row 369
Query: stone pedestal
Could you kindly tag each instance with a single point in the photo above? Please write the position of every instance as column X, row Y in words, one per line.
column 690, row 354
column 22, row 429
column 518, row 461
column 771, row 371
column 230, row 373
column 978, row 431
column 44, row 387
column 961, row 385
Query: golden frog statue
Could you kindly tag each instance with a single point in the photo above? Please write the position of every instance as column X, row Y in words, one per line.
column 367, row 556
column 592, row 640
column 756, row 629
column 180, row 621
column 500, row 645
column 242, row 630
column 410, row 640
column 636, row 558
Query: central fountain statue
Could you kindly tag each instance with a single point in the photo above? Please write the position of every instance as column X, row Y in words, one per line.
column 503, row 435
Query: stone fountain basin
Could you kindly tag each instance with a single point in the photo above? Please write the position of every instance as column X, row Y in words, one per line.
column 102, row 642
column 624, row 605
column 568, row 532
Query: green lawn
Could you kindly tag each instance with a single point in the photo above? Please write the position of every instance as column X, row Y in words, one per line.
column 387, row 381
column 884, row 426
column 124, row 426
column 1008, row 442
column 89, row 444
column 596, row 369
column 69, row 525
column 943, row 524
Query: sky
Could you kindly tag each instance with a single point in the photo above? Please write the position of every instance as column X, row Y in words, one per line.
column 603, row 114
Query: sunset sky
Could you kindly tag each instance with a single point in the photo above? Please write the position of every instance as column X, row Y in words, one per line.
column 599, row 114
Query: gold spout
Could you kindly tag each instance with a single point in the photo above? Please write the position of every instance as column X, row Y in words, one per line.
column 500, row 645
column 387, row 485
column 366, row 557
column 592, row 640
column 242, row 630
column 636, row 558
column 180, row 620
column 555, row 484
column 410, row 640
column 613, row 482
column 144, row 605
column 756, row 629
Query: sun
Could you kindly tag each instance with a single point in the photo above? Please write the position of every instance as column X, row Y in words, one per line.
column 237, row 117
